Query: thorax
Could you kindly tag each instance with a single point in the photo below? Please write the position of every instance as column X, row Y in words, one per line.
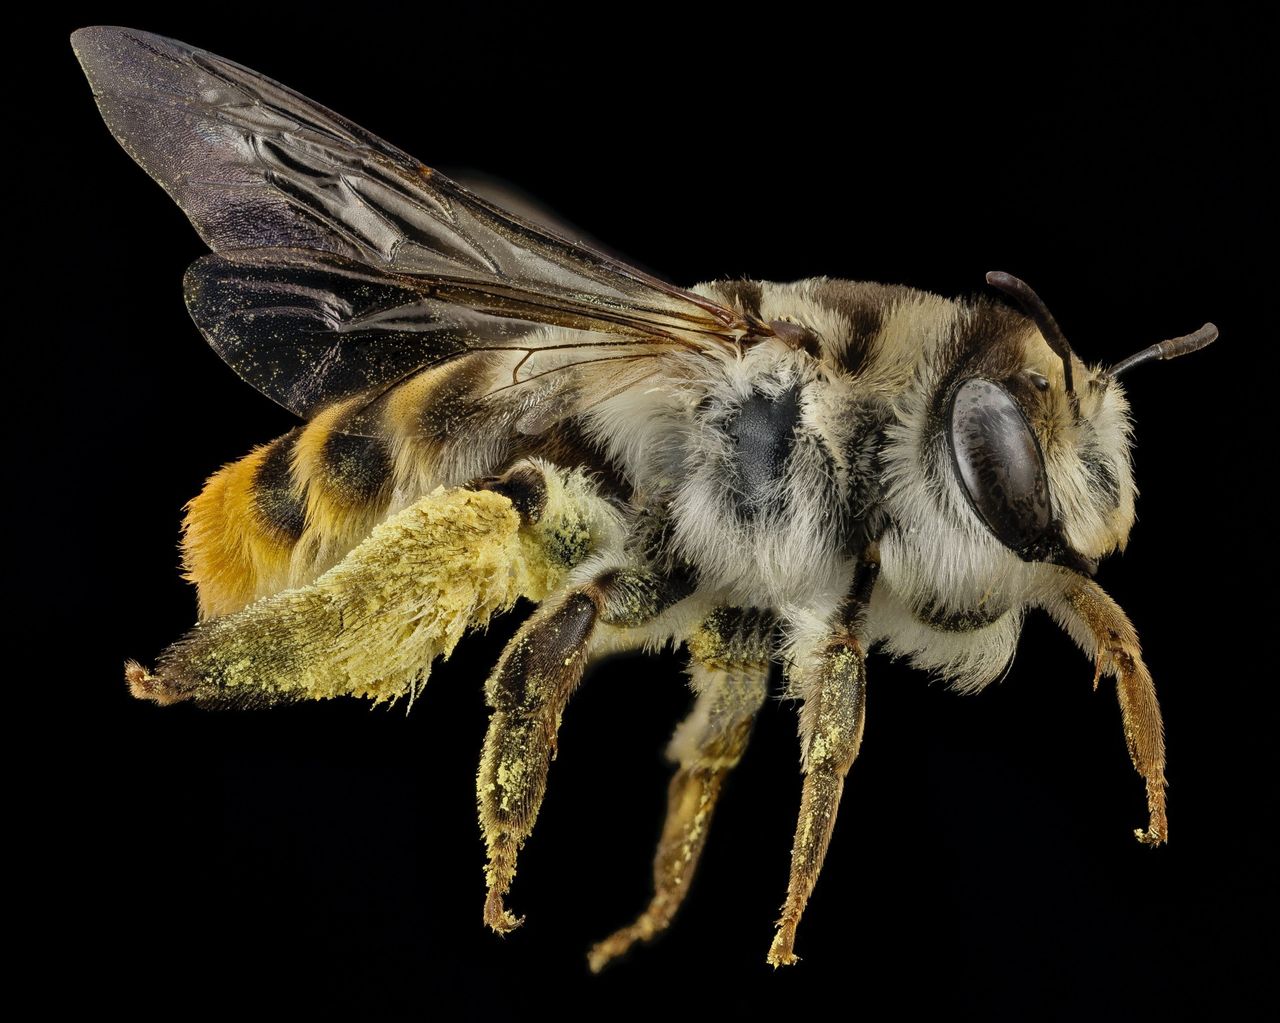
column 762, row 468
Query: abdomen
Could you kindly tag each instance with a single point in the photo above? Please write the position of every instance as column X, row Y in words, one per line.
column 291, row 509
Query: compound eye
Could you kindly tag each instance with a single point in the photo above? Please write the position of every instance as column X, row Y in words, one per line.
column 998, row 460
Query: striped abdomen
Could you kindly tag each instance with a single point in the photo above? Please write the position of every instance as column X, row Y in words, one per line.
column 291, row 509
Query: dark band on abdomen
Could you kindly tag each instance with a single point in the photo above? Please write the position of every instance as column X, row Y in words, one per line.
column 279, row 505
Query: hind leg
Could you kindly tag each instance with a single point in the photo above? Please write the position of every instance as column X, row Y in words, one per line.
column 372, row 625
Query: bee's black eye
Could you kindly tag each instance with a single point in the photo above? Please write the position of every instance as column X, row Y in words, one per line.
column 998, row 461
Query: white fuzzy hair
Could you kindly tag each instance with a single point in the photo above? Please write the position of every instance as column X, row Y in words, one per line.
column 937, row 556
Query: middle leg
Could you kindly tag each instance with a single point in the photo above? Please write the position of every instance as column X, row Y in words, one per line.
column 729, row 670
column 833, row 684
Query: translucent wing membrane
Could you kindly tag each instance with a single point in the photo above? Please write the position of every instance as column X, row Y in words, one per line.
column 310, row 328
column 346, row 264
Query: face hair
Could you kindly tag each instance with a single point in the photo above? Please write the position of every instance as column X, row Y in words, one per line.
column 1165, row 350
column 1034, row 307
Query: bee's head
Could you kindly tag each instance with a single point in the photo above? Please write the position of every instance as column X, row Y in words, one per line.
column 1040, row 442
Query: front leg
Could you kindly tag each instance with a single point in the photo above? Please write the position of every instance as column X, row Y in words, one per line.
column 1103, row 630
column 833, row 684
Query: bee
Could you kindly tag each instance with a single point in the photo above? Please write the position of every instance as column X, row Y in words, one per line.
column 757, row 472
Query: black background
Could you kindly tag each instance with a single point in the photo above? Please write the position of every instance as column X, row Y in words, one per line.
column 327, row 856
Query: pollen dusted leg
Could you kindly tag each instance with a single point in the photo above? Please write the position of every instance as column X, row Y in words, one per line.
column 831, row 725
column 373, row 624
column 834, row 688
column 729, row 670
column 1117, row 652
column 528, row 691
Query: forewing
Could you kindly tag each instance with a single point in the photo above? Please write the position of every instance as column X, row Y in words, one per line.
column 387, row 265
column 310, row 328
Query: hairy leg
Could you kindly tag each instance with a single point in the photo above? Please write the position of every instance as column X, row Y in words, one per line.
column 729, row 671
column 372, row 624
column 1103, row 630
column 528, row 691
column 534, row 679
column 831, row 721
column 833, row 685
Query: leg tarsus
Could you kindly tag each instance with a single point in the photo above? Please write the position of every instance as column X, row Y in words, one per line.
column 781, row 952
column 831, row 720
column 819, row 802
column 691, row 799
column 501, row 869
column 833, row 684
column 1157, row 829
column 1118, row 652
column 729, row 670
column 528, row 691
